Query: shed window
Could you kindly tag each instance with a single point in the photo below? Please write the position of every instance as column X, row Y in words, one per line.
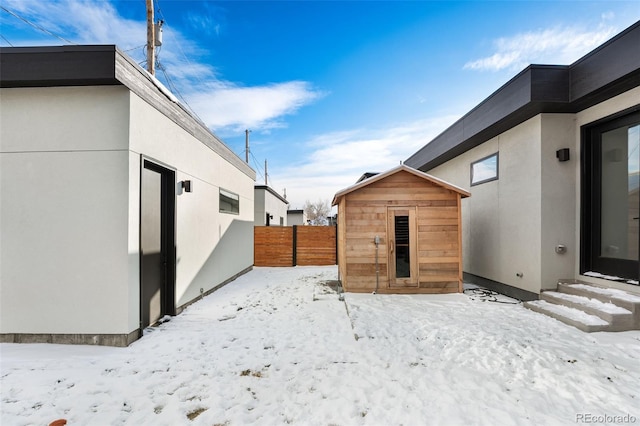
column 403, row 258
column 229, row 202
column 484, row 170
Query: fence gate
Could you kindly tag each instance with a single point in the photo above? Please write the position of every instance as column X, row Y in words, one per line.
column 294, row 245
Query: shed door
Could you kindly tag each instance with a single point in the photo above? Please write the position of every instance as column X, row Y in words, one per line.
column 157, row 247
column 403, row 256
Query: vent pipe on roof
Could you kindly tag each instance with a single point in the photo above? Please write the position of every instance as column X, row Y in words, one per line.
column 246, row 145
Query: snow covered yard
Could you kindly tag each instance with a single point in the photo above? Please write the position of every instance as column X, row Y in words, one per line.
column 276, row 346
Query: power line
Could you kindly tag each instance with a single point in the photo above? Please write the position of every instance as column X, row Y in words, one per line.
column 173, row 88
column 177, row 43
column 182, row 52
column 260, row 169
column 36, row 26
column 5, row 39
column 256, row 165
column 134, row 48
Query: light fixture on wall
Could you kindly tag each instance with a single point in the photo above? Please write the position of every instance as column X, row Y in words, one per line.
column 562, row 154
column 186, row 185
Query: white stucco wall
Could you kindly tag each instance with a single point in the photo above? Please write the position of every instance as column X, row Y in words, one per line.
column 69, row 209
column 502, row 218
column 515, row 223
column 259, row 218
column 266, row 202
column 296, row 218
column 64, row 264
column 211, row 246
column 558, row 203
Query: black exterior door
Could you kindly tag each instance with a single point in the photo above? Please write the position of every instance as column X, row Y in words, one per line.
column 157, row 243
column 611, row 202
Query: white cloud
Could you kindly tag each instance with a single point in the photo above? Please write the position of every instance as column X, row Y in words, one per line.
column 219, row 103
column 338, row 159
column 552, row 46
column 226, row 105
column 82, row 22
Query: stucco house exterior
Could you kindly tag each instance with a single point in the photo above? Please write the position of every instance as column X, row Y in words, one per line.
column 296, row 217
column 117, row 206
column 270, row 207
column 552, row 162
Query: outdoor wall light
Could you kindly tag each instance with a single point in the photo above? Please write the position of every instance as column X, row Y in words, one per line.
column 186, row 185
column 562, row 154
column 561, row 249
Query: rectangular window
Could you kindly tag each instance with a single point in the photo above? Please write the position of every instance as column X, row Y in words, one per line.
column 229, row 202
column 484, row 170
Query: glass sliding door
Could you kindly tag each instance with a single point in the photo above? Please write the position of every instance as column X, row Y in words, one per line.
column 611, row 206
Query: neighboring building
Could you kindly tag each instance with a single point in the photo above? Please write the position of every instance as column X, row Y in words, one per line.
column 552, row 161
column 297, row 217
column 270, row 207
column 399, row 232
column 366, row 175
column 117, row 206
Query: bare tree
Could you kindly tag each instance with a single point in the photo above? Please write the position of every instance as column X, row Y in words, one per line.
column 317, row 212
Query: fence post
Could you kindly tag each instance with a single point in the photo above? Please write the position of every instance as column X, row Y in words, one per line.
column 295, row 244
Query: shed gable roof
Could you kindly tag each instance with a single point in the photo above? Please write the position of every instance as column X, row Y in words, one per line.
column 398, row 169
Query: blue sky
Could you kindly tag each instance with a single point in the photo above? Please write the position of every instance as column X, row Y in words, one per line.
column 329, row 89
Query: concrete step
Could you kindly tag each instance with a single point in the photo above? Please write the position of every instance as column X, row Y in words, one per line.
column 628, row 301
column 571, row 316
column 619, row 318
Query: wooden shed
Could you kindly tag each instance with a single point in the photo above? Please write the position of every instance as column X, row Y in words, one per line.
column 400, row 232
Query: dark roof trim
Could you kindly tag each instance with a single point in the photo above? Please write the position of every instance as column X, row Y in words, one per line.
column 98, row 65
column 274, row 193
column 366, row 175
column 609, row 70
column 58, row 66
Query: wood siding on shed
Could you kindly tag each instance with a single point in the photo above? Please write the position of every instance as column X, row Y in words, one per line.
column 362, row 214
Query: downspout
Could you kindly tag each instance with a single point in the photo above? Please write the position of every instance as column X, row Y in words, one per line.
column 376, row 240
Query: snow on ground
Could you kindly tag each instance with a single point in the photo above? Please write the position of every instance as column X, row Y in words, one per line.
column 277, row 346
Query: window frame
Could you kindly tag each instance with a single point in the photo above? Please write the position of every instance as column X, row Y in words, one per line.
column 235, row 201
column 490, row 179
column 591, row 193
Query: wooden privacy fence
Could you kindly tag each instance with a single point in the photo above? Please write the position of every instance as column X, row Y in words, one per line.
column 294, row 245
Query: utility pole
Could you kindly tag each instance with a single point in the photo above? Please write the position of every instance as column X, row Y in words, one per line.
column 265, row 173
column 151, row 39
column 246, row 145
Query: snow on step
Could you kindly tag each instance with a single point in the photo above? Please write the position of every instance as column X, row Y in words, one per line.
column 596, row 304
column 611, row 292
column 570, row 313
